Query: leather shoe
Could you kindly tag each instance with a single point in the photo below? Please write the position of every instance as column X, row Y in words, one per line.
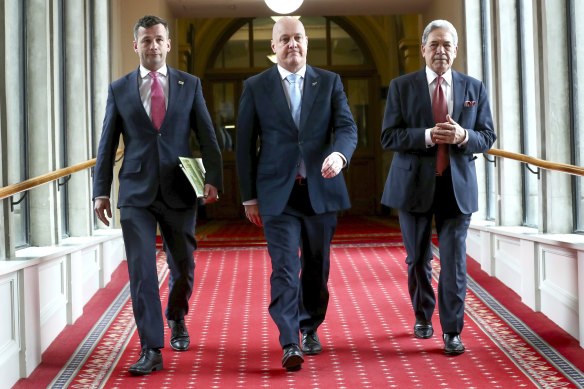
column 311, row 344
column 292, row 359
column 150, row 360
column 452, row 344
column 423, row 329
column 179, row 337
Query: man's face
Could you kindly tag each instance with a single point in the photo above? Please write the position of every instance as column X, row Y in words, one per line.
column 290, row 44
column 152, row 45
column 439, row 51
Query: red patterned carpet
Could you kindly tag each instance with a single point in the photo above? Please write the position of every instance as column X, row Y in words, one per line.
column 367, row 335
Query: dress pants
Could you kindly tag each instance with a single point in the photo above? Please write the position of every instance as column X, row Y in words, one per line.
column 177, row 227
column 451, row 227
column 299, row 292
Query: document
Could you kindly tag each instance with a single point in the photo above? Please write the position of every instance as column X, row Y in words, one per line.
column 195, row 172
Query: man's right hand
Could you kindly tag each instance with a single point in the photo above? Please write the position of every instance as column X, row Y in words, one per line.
column 102, row 207
column 252, row 212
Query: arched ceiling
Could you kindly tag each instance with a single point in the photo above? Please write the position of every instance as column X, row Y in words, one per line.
column 254, row 8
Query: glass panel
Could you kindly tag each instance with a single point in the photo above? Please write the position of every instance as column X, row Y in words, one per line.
column 235, row 52
column 262, row 36
column 16, row 125
column 315, row 27
column 529, row 130
column 224, row 114
column 578, row 72
column 358, row 95
column 344, row 49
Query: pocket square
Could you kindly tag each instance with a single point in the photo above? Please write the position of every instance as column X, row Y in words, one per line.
column 469, row 103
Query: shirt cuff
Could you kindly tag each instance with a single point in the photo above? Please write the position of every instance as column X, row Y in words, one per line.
column 342, row 157
column 250, row 202
column 465, row 141
column 429, row 138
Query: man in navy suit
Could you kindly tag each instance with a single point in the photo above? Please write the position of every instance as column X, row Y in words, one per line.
column 435, row 121
column 291, row 184
column 156, row 108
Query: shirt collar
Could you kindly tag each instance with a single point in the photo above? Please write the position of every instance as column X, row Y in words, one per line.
column 144, row 72
column 285, row 73
column 431, row 76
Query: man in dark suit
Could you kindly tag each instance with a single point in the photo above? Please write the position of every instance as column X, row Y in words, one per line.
column 436, row 120
column 155, row 108
column 291, row 184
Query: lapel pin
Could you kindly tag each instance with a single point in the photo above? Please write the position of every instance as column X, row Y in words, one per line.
column 181, row 82
column 314, row 83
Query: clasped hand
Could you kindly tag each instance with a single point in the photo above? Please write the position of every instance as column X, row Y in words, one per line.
column 448, row 132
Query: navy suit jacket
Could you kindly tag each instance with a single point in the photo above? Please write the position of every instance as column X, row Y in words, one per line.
column 151, row 155
column 408, row 113
column 326, row 125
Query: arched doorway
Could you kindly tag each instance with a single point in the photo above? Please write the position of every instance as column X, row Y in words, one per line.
column 244, row 50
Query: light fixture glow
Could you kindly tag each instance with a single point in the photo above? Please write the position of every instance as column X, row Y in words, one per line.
column 284, row 7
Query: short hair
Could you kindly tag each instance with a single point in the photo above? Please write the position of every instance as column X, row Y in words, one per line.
column 439, row 24
column 149, row 21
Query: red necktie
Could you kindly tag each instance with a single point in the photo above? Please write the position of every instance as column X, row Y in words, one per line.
column 440, row 109
column 157, row 106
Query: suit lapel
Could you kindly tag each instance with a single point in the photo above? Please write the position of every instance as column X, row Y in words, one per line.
column 459, row 89
column 175, row 90
column 274, row 92
column 420, row 83
column 309, row 92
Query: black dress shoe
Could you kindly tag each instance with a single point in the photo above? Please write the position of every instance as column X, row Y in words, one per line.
column 292, row 359
column 311, row 344
column 423, row 329
column 150, row 360
column 179, row 337
column 452, row 344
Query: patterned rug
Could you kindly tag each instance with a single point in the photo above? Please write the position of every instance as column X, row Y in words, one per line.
column 367, row 335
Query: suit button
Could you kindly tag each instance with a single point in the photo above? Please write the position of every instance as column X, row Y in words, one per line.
column 159, row 134
column 300, row 142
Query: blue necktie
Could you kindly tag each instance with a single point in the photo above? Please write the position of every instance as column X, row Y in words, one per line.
column 295, row 97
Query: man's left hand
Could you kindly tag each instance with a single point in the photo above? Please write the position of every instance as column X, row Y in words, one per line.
column 332, row 165
column 448, row 132
column 211, row 194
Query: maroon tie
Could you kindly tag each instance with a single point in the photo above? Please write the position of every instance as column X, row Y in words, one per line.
column 440, row 109
column 157, row 106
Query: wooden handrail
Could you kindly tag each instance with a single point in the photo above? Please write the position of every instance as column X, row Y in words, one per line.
column 11, row 190
column 562, row 167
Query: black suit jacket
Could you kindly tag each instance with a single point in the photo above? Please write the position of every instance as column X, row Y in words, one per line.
column 326, row 125
column 151, row 155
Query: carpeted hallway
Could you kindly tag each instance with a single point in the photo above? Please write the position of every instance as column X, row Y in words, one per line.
column 367, row 335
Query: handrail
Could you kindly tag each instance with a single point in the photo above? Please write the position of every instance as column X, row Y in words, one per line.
column 562, row 167
column 13, row 189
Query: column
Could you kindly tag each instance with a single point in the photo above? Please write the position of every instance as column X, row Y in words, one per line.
column 77, row 123
column 43, row 218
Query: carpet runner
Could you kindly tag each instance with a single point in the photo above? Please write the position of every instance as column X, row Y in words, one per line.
column 367, row 335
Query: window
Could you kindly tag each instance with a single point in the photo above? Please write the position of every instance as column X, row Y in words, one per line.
column 16, row 118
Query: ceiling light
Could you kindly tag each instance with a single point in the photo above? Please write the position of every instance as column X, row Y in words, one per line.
column 284, row 6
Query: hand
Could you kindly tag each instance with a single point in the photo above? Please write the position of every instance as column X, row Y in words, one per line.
column 211, row 194
column 449, row 132
column 102, row 206
column 252, row 212
column 332, row 165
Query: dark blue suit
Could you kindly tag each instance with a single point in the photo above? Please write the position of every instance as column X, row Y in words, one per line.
column 153, row 190
column 294, row 215
column 413, row 188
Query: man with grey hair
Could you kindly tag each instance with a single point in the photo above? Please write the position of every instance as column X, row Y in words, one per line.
column 435, row 120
